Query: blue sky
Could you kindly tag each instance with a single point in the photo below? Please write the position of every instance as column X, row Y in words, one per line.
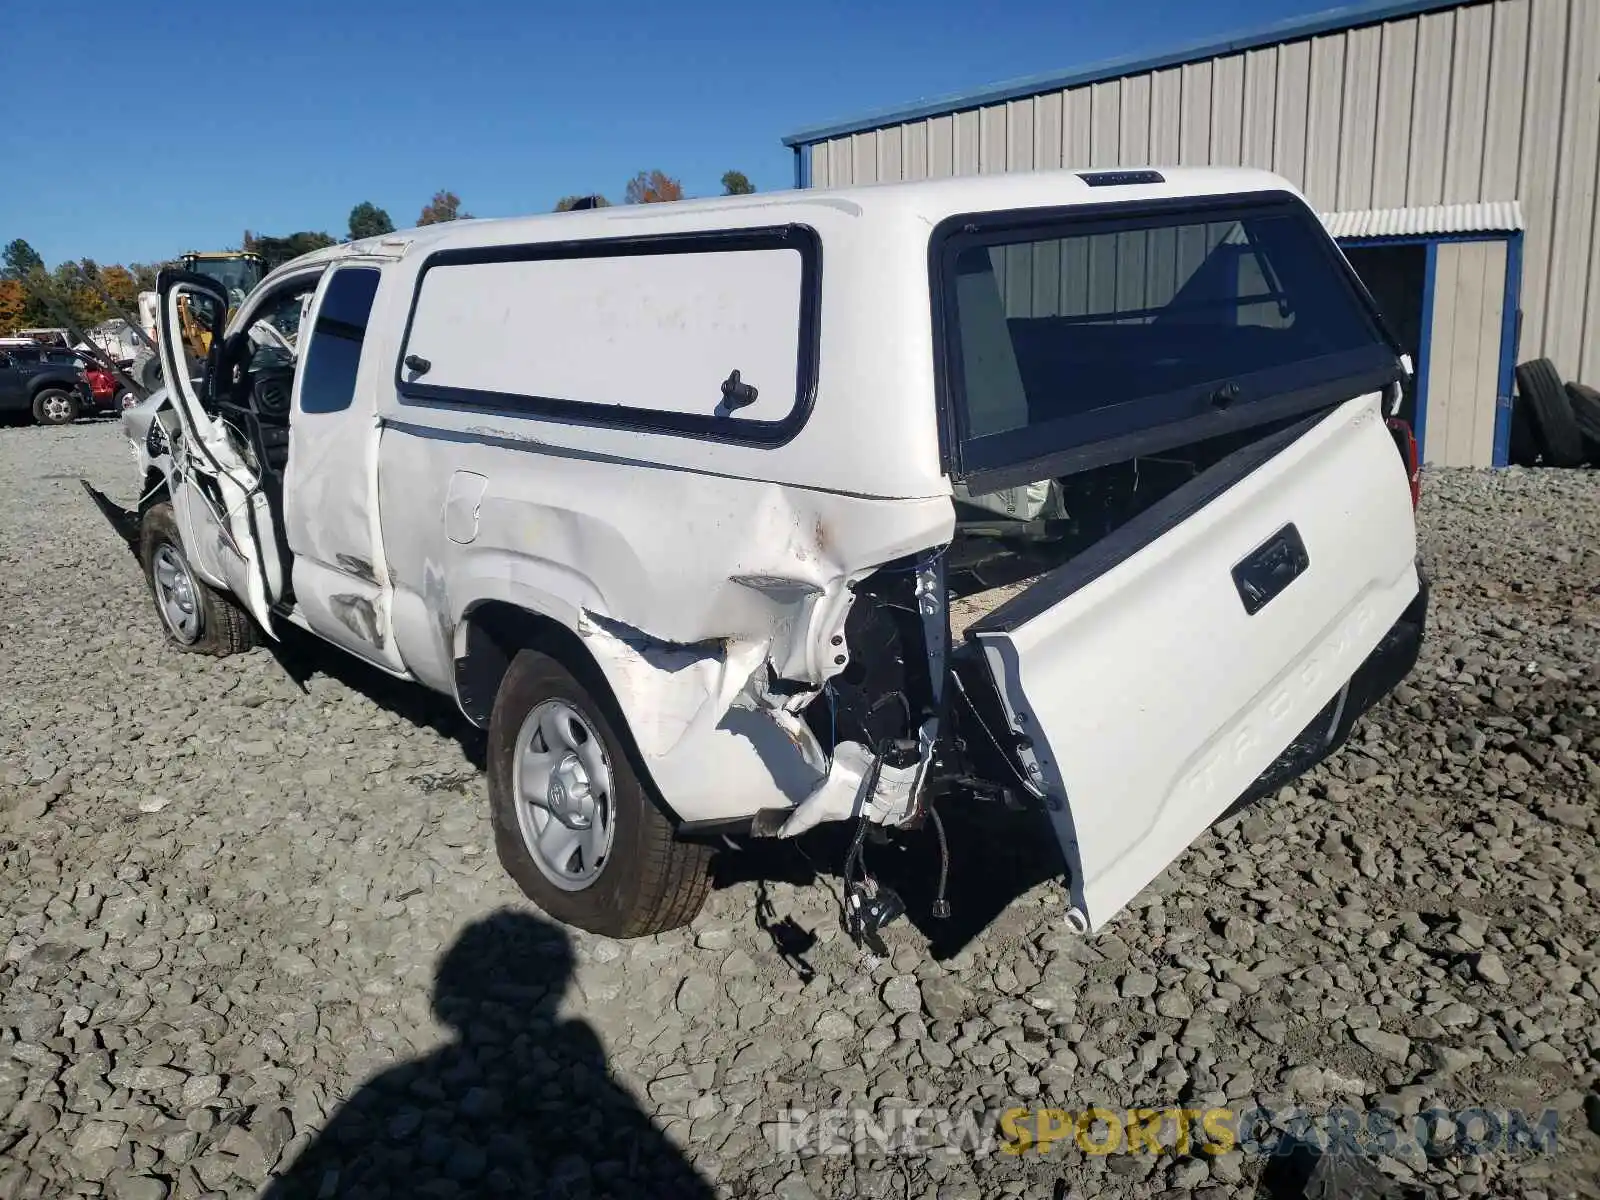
column 278, row 116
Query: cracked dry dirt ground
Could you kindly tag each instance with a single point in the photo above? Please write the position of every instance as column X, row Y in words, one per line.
column 253, row 927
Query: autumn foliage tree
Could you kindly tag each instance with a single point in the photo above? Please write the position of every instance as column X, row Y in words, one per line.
column 120, row 287
column 82, row 292
column 445, row 206
column 652, row 187
column 77, row 288
column 23, row 269
column 13, row 305
column 86, row 293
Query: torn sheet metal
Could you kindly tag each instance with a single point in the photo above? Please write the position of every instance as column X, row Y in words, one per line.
column 850, row 790
column 692, row 716
column 672, row 687
column 715, row 611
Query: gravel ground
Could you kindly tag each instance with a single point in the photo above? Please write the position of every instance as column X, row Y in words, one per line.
column 252, row 926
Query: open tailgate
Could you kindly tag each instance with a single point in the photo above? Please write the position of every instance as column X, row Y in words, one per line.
column 1153, row 678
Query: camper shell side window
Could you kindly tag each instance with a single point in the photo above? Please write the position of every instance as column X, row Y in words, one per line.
column 710, row 335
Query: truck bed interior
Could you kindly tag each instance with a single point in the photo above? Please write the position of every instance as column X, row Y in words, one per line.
column 1007, row 540
column 1004, row 542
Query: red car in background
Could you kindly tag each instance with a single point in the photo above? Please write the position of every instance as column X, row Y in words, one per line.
column 109, row 395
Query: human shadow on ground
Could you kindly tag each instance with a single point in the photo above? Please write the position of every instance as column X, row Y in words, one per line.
column 518, row 1104
column 995, row 856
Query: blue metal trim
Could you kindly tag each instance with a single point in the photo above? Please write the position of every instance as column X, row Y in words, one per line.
column 1368, row 13
column 1424, row 344
column 804, row 165
column 1508, row 352
column 1429, row 239
column 799, row 170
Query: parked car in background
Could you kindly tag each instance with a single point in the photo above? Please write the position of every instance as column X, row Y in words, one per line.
column 106, row 390
column 49, row 384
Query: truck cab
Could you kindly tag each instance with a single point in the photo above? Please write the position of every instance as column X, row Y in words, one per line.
column 1071, row 490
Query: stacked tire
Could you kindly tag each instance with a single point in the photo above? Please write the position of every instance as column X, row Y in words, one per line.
column 1585, row 402
column 1553, row 424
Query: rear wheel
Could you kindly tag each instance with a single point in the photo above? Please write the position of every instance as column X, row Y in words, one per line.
column 196, row 616
column 55, row 406
column 572, row 821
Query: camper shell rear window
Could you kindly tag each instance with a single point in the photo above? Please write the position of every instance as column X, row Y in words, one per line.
column 1068, row 339
column 708, row 334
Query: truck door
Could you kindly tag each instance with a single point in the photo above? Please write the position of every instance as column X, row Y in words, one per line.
column 224, row 503
column 340, row 578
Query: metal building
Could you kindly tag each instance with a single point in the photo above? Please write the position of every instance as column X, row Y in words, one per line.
column 1452, row 147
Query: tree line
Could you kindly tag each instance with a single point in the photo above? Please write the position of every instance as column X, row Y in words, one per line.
column 655, row 187
column 33, row 295
column 85, row 289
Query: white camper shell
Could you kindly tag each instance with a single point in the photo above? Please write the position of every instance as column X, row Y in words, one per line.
column 679, row 502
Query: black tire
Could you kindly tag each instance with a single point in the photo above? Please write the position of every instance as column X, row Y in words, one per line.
column 223, row 626
column 1585, row 402
column 55, row 406
column 1524, row 441
column 649, row 881
column 1539, row 387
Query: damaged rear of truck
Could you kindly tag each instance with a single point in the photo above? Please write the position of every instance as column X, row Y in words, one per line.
column 1072, row 492
column 1166, row 558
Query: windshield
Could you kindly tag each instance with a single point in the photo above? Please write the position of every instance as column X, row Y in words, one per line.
column 237, row 275
column 1076, row 332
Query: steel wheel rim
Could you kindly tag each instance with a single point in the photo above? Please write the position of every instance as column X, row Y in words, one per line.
column 57, row 408
column 563, row 793
column 176, row 594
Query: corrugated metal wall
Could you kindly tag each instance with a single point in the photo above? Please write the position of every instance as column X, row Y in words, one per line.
column 1105, row 273
column 1464, row 353
column 1495, row 100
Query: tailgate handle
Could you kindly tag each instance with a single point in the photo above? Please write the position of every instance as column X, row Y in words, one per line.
column 1270, row 567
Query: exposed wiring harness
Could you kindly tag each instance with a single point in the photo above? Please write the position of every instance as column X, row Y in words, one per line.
column 941, row 906
column 868, row 906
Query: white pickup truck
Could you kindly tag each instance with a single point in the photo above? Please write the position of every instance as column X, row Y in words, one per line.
column 678, row 501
